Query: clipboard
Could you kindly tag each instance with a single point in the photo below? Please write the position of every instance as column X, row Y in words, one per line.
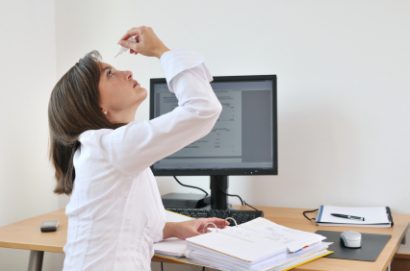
column 372, row 216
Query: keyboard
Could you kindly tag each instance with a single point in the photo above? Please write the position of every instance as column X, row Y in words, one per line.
column 241, row 216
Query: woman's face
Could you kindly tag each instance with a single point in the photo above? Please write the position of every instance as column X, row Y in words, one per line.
column 120, row 94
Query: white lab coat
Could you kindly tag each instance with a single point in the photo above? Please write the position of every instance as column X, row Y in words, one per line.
column 115, row 213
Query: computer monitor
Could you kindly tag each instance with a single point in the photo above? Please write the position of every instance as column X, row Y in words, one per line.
column 242, row 142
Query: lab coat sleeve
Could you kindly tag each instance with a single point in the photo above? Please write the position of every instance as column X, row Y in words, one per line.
column 137, row 145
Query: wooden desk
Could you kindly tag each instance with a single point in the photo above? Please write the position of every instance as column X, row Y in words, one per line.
column 293, row 218
column 26, row 235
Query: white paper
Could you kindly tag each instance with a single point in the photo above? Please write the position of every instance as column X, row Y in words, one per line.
column 256, row 240
column 176, row 217
column 171, row 247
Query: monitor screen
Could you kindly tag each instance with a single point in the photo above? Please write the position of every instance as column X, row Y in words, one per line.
column 243, row 140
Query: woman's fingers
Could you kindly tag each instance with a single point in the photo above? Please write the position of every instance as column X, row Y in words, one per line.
column 212, row 222
column 142, row 40
column 135, row 31
column 219, row 222
column 130, row 44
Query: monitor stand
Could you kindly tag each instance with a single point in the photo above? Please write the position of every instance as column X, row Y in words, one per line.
column 219, row 187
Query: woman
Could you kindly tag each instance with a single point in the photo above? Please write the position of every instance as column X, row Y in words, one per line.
column 102, row 157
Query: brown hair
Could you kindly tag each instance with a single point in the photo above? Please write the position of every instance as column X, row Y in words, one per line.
column 74, row 108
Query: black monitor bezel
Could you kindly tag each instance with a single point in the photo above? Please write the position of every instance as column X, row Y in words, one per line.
column 273, row 170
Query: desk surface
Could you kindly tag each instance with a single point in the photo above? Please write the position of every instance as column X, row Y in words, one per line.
column 293, row 218
column 26, row 235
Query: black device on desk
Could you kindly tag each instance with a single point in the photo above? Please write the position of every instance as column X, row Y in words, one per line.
column 240, row 216
column 243, row 141
column 184, row 200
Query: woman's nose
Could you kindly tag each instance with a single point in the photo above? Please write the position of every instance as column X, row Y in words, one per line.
column 128, row 75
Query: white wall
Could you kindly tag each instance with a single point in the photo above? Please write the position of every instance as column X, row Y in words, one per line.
column 342, row 79
column 27, row 74
column 342, row 66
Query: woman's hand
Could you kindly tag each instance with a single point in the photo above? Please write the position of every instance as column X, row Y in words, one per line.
column 142, row 40
column 186, row 229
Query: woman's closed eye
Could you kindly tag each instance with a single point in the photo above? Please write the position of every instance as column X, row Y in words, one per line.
column 109, row 73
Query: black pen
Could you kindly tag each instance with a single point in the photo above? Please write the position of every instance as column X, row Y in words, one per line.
column 348, row 216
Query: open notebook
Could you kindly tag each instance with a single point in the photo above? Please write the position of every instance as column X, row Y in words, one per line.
column 256, row 245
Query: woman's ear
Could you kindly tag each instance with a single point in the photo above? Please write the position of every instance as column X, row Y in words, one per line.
column 105, row 112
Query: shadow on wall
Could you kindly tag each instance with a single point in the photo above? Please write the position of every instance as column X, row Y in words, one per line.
column 318, row 148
